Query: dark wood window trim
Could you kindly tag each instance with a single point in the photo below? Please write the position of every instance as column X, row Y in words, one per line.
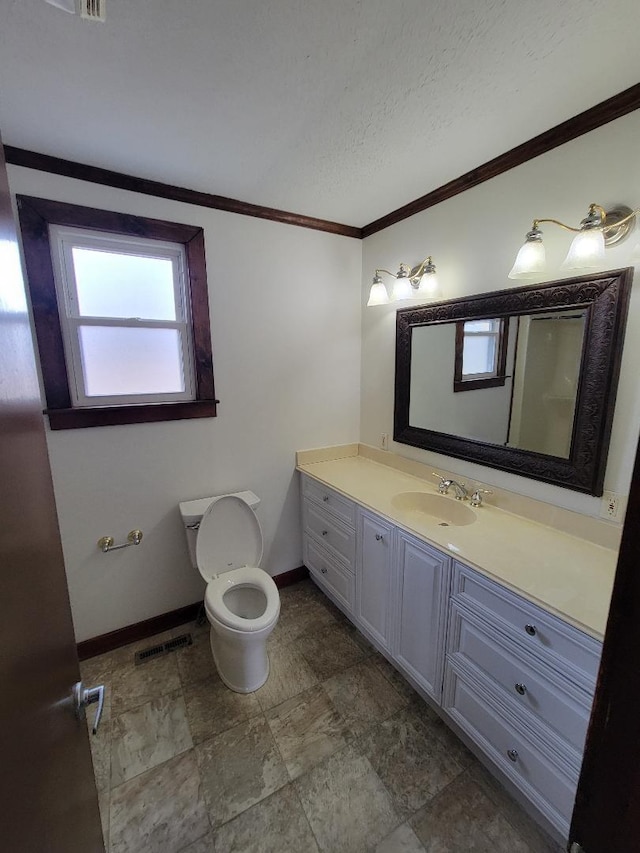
column 36, row 215
column 460, row 384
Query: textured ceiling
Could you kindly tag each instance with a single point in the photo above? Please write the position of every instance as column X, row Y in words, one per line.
column 341, row 109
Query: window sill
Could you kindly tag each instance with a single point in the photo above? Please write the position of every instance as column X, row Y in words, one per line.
column 117, row 415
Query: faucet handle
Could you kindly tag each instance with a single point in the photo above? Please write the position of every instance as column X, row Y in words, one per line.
column 476, row 498
column 443, row 485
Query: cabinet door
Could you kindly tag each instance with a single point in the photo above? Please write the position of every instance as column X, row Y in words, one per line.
column 421, row 586
column 373, row 576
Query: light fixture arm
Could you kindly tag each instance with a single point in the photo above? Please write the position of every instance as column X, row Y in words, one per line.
column 597, row 214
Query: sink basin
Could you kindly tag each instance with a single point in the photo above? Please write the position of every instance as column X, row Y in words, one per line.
column 425, row 507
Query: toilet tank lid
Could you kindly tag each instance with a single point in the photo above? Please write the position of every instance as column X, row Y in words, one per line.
column 192, row 511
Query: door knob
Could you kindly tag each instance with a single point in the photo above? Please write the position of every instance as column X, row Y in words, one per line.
column 88, row 696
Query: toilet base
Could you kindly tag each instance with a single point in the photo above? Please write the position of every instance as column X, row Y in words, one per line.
column 241, row 659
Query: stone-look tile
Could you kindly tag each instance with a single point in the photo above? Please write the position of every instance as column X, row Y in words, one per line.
column 104, row 800
column 302, row 608
column 148, row 736
column 202, row 845
column 329, row 650
column 402, row 840
column 363, row 696
column 289, row 674
column 409, row 759
column 195, row 662
column 239, row 768
column 307, row 729
column 213, row 708
column 536, row 839
column 395, row 678
column 275, row 825
column 132, row 686
column 346, row 804
column 161, row 811
column 457, row 820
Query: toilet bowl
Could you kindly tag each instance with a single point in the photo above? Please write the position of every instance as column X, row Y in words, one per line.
column 241, row 601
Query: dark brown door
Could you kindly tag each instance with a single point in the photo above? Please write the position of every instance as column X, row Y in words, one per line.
column 606, row 818
column 48, row 800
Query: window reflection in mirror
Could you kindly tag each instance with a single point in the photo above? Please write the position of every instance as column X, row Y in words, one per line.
column 480, row 354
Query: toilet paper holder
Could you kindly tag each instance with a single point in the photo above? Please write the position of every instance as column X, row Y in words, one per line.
column 105, row 543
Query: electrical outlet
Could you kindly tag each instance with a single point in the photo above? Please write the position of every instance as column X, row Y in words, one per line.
column 384, row 441
column 611, row 506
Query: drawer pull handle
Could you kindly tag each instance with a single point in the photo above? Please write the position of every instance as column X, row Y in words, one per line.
column 323, row 570
column 325, row 498
column 379, row 537
column 513, row 754
column 531, row 630
column 521, row 689
column 325, row 532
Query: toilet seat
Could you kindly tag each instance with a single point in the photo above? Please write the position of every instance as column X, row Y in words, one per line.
column 250, row 576
column 229, row 538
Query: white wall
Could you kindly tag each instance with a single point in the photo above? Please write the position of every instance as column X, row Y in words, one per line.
column 285, row 319
column 473, row 239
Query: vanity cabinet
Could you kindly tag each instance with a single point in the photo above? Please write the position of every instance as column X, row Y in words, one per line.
column 520, row 683
column 513, row 679
column 329, row 542
column 374, row 562
column 420, row 593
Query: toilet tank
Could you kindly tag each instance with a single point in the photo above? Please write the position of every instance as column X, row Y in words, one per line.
column 192, row 512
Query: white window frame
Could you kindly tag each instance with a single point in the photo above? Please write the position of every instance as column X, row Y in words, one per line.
column 63, row 240
column 489, row 334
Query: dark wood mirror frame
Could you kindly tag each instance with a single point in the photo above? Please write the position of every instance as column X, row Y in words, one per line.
column 606, row 298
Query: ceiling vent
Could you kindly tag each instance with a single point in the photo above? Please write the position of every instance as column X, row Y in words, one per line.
column 93, row 10
column 90, row 10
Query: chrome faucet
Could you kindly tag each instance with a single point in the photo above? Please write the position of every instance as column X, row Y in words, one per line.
column 444, row 485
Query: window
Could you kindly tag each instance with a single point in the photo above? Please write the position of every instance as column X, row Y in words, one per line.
column 121, row 314
column 480, row 354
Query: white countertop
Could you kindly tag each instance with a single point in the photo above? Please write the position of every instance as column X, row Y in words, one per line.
column 566, row 575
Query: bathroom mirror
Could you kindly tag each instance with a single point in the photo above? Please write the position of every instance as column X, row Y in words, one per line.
column 522, row 379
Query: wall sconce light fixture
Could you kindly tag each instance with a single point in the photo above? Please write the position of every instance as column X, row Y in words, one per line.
column 419, row 282
column 598, row 229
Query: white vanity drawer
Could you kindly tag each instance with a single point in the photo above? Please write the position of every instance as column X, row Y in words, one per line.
column 329, row 574
column 522, row 757
column 343, row 508
column 533, row 687
column 333, row 534
column 556, row 642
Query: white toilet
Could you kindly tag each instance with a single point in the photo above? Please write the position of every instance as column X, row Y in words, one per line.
column 241, row 601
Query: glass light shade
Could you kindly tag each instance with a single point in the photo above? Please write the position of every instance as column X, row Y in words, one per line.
column 586, row 250
column 530, row 260
column 402, row 288
column 378, row 294
column 429, row 286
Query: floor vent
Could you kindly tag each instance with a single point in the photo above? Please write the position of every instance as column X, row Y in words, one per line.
column 163, row 649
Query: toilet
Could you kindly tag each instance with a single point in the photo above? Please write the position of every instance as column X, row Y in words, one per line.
column 241, row 601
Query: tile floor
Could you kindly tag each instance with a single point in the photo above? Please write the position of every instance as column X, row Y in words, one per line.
column 335, row 754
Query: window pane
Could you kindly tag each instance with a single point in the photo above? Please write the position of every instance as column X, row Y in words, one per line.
column 112, row 284
column 130, row 361
column 479, row 355
column 481, row 326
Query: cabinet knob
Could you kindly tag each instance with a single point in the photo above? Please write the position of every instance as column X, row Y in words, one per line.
column 379, row 537
column 512, row 754
column 323, row 569
column 521, row 689
column 531, row 630
column 325, row 532
column 325, row 498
